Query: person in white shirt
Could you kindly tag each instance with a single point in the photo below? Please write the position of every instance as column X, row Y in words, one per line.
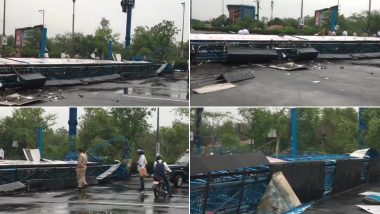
column 141, row 164
column 160, row 170
column 2, row 154
column 63, row 55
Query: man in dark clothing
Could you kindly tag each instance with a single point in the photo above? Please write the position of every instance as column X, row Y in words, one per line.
column 160, row 169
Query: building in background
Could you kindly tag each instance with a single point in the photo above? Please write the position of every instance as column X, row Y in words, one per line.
column 238, row 12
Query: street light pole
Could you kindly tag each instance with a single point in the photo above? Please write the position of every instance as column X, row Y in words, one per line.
column 43, row 17
column 5, row 3
column 183, row 27
column 369, row 17
column 72, row 34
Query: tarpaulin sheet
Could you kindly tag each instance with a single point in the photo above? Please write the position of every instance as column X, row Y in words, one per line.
column 306, row 178
column 347, row 174
column 205, row 164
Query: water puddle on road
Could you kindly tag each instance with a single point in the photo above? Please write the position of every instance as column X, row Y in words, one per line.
column 174, row 90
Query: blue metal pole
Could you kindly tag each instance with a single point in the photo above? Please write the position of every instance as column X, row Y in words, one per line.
column 40, row 140
column 294, row 127
column 43, row 43
column 362, row 129
column 129, row 23
column 110, row 50
column 73, row 122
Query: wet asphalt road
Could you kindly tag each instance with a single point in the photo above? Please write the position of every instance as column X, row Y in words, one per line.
column 154, row 91
column 345, row 202
column 117, row 198
column 339, row 84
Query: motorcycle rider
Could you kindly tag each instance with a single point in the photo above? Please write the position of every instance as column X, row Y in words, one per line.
column 160, row 169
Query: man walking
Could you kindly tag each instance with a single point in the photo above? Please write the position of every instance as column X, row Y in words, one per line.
column 81, row 169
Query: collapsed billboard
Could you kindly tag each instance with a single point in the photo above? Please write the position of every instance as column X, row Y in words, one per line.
column 23, row 35
column 327, row 16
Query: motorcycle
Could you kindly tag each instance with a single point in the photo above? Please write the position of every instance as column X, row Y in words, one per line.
column 159, row 187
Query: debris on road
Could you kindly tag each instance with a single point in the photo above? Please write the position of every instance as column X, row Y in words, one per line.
column 213, row 88
column 290, row 66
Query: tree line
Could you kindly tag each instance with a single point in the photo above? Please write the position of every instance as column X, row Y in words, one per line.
column 156, row 43
column 357, row 22
column 320, row 131
column 97, row 125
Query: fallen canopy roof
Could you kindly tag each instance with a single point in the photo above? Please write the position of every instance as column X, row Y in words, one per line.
column 205, row 164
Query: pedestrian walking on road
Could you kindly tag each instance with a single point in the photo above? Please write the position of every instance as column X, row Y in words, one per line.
column 2, row 155
column 81, row 169
column 141, row 167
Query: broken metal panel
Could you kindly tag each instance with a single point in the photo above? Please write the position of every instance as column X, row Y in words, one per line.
column 348, row 174
column 308, row 185
column 244, row 55
column 205, row 164
column 237, row 76
column 11, row 187
column 228, row 191
column 107, row 173
column 374, row 209
column 279, row 196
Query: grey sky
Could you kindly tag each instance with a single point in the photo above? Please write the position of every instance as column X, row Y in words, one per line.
column 58, row 15
column 206, row 10
column 167, row 116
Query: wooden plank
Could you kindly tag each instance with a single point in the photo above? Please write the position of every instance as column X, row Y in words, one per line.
column 214, row 88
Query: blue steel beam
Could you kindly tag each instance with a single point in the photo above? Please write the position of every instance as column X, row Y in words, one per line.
column 362, row 128
column 127, row 6
column 294, row 127
column 40, row 140
column 73, row 122
column 43, row 42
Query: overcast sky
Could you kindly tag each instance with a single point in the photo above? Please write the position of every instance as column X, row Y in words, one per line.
column 206, row 10
column 167, row 116
column 58, row 15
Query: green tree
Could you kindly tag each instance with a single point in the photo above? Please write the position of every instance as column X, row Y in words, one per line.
column 156, row 42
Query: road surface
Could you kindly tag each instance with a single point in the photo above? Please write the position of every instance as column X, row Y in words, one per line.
column 115, row 198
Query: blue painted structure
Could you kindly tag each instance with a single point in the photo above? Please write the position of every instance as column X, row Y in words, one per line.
column 127, row 6
column 294, row 127
column 362, row 128
column 73, row 122
column 40, row 140
column 334, row 18
column 110, row 50
column 43, row 42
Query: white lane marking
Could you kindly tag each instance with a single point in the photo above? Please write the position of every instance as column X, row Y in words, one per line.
column 132, row 204
column 155, row 98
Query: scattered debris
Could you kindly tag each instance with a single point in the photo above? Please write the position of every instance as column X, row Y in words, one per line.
column 372, row 199
column 370, row 208
column 237, row 76
column 11, row 187
column 341, row 67
column 105, row 174
column 213, row 88
column 290, row 66
column 317, row 81
column 279, row 196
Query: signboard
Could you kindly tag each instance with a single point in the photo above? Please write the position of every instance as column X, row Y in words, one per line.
column 4, row 40
column 22, row 35
column 326, row 16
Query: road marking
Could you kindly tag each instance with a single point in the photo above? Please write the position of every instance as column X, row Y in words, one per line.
column 155, row 98
column 132, row 204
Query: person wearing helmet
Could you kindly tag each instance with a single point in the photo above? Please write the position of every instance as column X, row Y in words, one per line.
column 141, row 164
column 160, row 169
